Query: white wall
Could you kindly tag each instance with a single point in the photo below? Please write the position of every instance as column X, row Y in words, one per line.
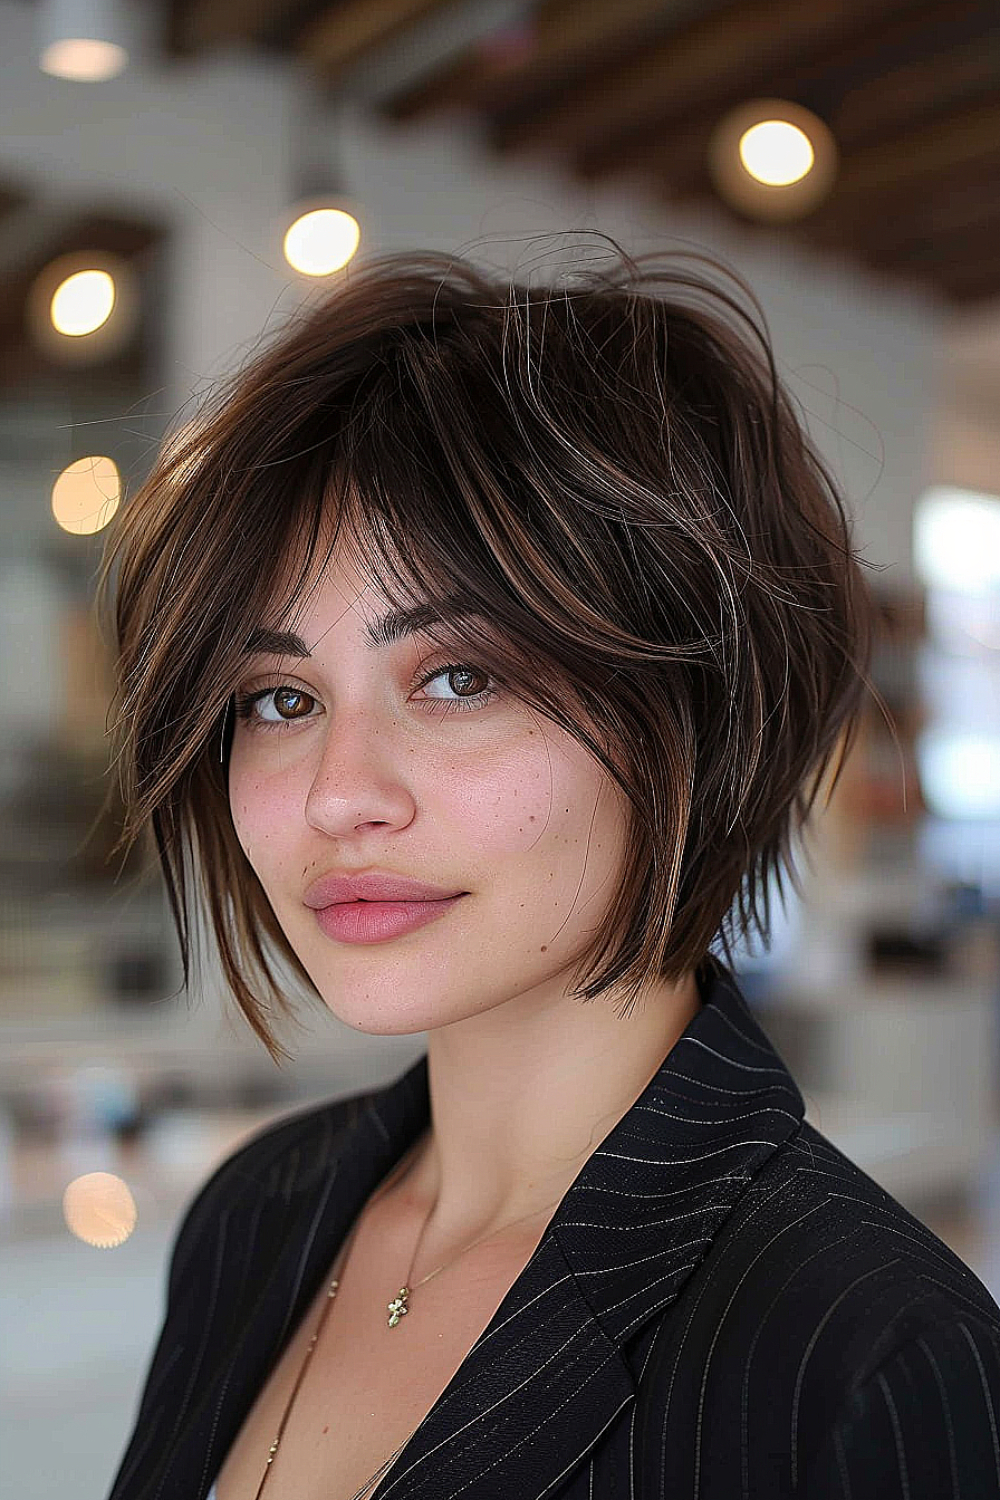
column 207, row 144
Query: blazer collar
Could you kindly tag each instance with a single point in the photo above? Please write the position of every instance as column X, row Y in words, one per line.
column 551, row 1370
column 664, row 1179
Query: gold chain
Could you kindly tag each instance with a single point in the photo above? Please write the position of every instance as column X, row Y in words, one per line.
column 397, row 1309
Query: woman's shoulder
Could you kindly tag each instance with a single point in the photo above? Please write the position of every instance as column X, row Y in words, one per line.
column 845, row 1331
column 839, row 1205
column 816, row 1243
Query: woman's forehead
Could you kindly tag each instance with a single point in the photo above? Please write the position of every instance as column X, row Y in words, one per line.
column 344, row 573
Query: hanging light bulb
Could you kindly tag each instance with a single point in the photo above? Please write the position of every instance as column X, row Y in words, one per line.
column 320, row 240
column 86, row 40
column 87, row 494
column 83, row 302
column 772, row 159
column 83, row 307
column 776, row 152
column 321, row 231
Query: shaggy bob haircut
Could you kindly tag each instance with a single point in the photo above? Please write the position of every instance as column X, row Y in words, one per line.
column 602, row 487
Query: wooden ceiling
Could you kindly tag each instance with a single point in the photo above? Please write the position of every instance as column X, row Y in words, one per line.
column 909, row 88
column 607, row 88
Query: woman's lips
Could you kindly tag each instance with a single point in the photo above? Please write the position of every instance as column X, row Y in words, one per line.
column 376, row 921
column 333, row 889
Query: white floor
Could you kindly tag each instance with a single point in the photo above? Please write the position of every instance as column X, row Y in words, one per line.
column 77, row 1328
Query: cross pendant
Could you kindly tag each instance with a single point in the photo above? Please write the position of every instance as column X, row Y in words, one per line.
column 397, row 1307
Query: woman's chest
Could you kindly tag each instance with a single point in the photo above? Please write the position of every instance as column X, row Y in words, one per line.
column 367, row 1386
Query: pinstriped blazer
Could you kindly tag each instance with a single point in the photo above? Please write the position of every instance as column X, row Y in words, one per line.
column 723, row 1305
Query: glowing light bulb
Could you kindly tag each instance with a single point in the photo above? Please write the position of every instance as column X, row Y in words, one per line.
column 956, row 539
column 321, row 241
column 84, row 59
column 772, row 159
column 776, row 152
column 82, row 303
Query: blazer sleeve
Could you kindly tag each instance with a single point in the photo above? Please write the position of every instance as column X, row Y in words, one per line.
column 186, row 1254
column 924, row 1426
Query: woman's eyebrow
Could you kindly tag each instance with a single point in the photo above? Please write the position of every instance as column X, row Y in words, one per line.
column 386, row 630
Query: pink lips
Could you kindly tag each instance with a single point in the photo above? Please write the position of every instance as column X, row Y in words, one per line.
column 375, row 921
column 374, row 886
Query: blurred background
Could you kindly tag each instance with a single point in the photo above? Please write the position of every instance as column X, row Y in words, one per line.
column 175, row 178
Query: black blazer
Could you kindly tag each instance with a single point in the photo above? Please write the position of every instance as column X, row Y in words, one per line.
column 723, row 1305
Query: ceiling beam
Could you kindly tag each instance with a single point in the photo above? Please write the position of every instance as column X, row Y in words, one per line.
column 955, row 60
column 14, row 196
column 941, row 144
column 945, row 249
column 972, row 283
column 560, row 42
column 199, row 25
column 692, row 61
column 959, row 199
column 882, row 75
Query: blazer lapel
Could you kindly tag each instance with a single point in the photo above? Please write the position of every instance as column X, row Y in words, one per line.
column 551, row 1370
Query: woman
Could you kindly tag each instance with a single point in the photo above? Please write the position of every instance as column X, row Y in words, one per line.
column 485, row 646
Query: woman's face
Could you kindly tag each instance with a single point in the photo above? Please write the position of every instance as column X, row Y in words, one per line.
column 355, row 767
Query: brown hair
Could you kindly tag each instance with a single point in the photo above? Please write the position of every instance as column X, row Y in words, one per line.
column 609, row 471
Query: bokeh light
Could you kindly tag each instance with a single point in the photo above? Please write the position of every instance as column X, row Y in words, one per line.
column 86, row 495
column 321, row 241
column 99, row 1209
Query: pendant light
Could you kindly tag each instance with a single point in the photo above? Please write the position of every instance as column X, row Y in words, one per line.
column 88, row 41
column 320, row 230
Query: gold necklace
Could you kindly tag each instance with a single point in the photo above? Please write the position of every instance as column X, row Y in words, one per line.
column 397, row 1309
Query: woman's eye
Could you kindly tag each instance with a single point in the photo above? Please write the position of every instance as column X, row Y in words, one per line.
column 247, row 710
column 246, row 706
column 465, row 700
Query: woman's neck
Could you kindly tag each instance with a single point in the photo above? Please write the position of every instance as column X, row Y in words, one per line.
column 518, row 1105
